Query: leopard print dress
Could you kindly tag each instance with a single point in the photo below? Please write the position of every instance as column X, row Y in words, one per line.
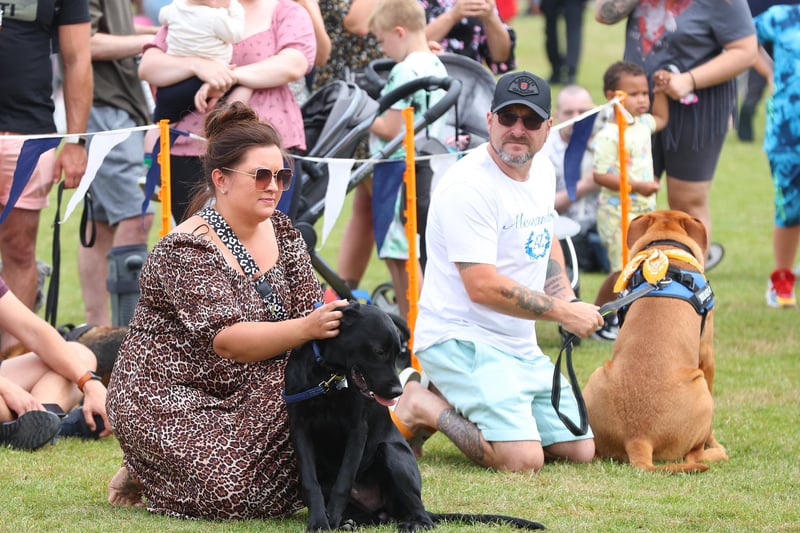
column 206, row 436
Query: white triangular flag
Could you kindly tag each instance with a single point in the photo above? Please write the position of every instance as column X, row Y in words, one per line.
column 338, row 178
column 99, row 148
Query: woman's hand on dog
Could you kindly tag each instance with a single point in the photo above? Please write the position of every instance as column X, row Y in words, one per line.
column 324, row 321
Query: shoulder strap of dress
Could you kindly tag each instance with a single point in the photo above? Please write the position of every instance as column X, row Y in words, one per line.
column 227, row 236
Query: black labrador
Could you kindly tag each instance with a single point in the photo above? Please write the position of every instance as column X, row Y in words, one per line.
column 355, row 466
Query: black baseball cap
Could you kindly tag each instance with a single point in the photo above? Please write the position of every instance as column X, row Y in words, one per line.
column 525, row 88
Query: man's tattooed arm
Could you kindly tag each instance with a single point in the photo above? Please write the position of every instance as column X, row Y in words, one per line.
column 556, row 284
column 612, row 11
column 533, row 303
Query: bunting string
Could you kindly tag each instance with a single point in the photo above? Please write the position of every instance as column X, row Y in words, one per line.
column 339, row 168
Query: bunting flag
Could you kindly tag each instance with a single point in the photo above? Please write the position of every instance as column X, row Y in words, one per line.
column 154, row 172
column 578, row 142
column 29, row 155
column 99, row 148
column 338, row 178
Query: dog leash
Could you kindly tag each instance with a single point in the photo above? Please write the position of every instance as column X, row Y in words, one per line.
column 566, row 347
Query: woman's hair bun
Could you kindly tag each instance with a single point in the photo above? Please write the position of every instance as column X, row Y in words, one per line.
column 220, row 118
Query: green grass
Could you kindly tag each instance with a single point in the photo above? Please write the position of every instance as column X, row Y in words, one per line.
column 63, row 487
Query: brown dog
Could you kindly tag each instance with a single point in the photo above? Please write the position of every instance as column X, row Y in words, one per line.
column 652, row 401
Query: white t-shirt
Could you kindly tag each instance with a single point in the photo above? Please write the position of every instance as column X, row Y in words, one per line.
column 202, row 31
column 478, row 214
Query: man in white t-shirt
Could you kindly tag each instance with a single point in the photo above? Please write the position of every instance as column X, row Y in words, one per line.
column 494, row 268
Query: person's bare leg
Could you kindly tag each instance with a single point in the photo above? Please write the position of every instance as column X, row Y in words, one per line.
column 124, row 490
column 357, row 242
column 54, row 388
column 18, row 252
column 400, row 283
column 419, row 407
column 92, row 272
column 93, row 264
column 691, row 197
column 784, row 246
column 577, row 451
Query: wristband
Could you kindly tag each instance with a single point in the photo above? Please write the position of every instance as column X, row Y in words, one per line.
column 75, row 139
column 575, row 300
column 694, row 82
column 88, row 376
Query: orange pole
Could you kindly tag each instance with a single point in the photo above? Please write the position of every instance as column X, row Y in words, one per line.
column 624, row 189
column 410, row 179
column 165, row 193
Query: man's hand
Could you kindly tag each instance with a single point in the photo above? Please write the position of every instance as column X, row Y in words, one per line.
column 70, row 164
column 581, row 318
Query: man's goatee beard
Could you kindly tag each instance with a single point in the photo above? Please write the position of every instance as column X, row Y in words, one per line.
column 516, row 161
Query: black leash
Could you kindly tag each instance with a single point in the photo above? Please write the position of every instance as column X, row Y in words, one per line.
column 576, row 390
column 51, row 305
column 566, row 347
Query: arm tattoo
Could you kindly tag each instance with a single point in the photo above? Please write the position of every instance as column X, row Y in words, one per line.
column 556, row 283
column 464, row 266
column 615, row 10
column 464, row 434
column 528, row 300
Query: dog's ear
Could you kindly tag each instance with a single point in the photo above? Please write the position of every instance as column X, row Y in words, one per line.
column 697, row 231
column 638, row 227
column 351, row 311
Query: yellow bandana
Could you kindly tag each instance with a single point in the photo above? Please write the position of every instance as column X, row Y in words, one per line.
column 654, row 265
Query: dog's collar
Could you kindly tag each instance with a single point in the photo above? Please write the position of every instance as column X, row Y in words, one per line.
column 687, row 285
column 651, row 266
column 336, row 381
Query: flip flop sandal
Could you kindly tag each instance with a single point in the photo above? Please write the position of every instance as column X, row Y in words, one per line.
column 30, row 431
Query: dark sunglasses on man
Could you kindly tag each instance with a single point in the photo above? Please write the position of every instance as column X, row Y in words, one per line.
column 529, row 122
column 262, row 177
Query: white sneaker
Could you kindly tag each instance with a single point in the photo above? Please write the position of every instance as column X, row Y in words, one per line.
column 715, row 254
column 609, row 330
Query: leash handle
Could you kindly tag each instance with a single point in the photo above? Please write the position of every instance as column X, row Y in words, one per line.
column 555, row 396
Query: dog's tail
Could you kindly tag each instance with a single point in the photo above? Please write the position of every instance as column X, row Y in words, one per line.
column 519, row 523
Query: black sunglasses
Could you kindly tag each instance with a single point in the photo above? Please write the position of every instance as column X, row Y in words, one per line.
column 262, row 176
column 530, row 122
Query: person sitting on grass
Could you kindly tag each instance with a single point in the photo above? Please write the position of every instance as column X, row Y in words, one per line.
column 39, row 385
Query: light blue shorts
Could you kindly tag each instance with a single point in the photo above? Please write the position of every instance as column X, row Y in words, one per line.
column 508, row 398
column 115, row 190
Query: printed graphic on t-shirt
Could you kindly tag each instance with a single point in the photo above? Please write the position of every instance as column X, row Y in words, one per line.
column 655, row 18
column 24, row 10
column 538, row 243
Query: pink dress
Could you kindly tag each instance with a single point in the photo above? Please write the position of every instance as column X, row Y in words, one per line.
column 291, row 28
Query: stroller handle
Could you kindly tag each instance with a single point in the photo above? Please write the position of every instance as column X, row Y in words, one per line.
column 452, row 87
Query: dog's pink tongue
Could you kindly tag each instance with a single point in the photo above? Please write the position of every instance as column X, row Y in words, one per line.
column 385, row 401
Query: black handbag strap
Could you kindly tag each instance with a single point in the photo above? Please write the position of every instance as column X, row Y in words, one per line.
column 226, row 234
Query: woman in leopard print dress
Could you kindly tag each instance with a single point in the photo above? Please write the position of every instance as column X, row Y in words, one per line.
column 195, row 395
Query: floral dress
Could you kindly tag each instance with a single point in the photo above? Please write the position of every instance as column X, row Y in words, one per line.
column 206, row 436
column 468, row 37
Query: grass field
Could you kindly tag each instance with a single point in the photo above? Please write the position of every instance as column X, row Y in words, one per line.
column 63, row 487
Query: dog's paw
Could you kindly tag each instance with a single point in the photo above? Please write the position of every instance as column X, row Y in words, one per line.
column 348, row 525
column 317, row 524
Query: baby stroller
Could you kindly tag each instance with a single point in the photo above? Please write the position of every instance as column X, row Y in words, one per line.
column 337, row 118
